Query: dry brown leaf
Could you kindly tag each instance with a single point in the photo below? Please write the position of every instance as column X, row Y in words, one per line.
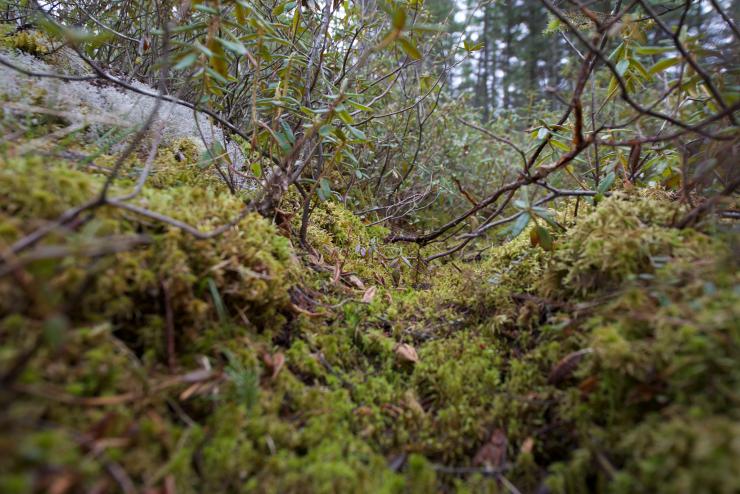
column 492, row 455
column 534, row 237
column 62, row 483
column 356, row 281
column 564, row 369
column 274, row 363
column 337, row 272
column 313, row 259
column 379, row 279
column 190, row 391
column 391, row 409
column 405, row 353
column 101, row 445
column 278, row 361
column 170, row 486
column 588, row 385
column 197, row 376
column 369, row 294
column 528, row 445
column 305, row 312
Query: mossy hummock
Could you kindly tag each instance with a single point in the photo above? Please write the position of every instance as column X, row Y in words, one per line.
column 239, row 364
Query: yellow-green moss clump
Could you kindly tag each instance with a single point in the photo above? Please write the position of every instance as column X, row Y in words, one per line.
column 607, row 365
column 249, row 266
column 595, row 257
column 29, row 41
column 661, row 407
column 338, row 235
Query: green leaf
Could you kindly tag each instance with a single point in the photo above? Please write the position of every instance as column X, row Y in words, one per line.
column 534, row 237
column 183, row 29
column 233, row 46
column 653, row 50
column 279, row 9
column 545, row 239
column 613, row 86
column 359, row 106
column 664, row 64
column 408, row 47
column 345, row 116
column 338, row 132
column 347, row 154
column 223, row 315
column 622, row 67
column 560, row 145
column 256, row 169
column 519, row 225
column 282, row 142
column 324, row 189
column 295, row 22
column 642, row 70
column 360, row 135
column 543, row 213
column 399, row 19
column 472, row 46
column 186, row 61
column 203, row 49
column 206, row 9
column 288, row 131
column 606, row 184
column 241, row 14
column 216, row 75
column 617, row 52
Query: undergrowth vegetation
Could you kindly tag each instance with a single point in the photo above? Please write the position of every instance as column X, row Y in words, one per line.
column 284, row 247
column 610, row 361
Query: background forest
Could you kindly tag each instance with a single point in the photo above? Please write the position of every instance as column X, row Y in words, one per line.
column 372, row 246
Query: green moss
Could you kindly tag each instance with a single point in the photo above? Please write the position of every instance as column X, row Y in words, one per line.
column 31, row 42
column 307, row 393
column 179, row 163
column 339, row 236
column 250, row 265
column 681, row 454
column 595, row 257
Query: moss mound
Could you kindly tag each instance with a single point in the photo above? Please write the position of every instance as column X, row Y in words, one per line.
column 609, row 364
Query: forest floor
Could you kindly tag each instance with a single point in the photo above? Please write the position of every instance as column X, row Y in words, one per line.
column 137, row 358
column 243, row 364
